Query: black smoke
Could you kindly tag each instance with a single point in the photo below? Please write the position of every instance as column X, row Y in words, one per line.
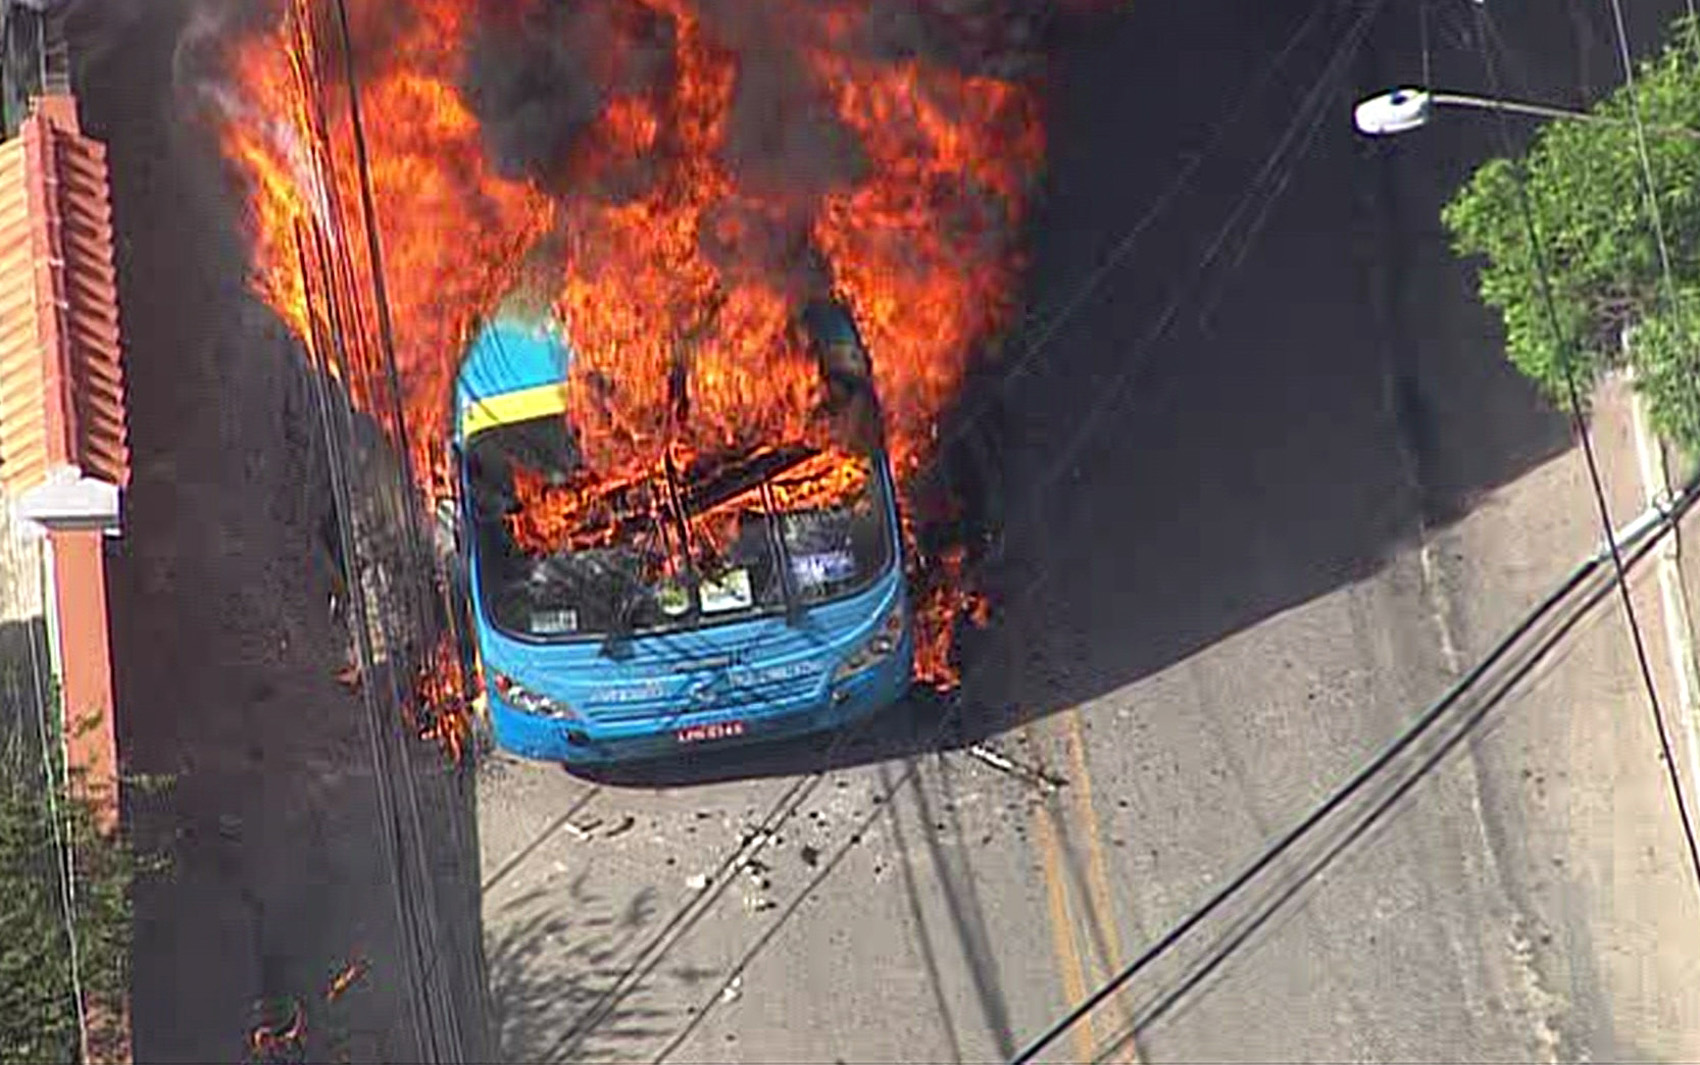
column 986, row 38
column 784, row 137
column 538, row 74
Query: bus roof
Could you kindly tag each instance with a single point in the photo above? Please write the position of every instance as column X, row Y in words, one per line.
column 515, row 370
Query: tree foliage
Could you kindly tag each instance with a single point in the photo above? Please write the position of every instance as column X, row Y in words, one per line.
column 41, row 813
column 1584, row 192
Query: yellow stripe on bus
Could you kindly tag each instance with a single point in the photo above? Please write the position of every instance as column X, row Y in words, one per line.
column 508, row 407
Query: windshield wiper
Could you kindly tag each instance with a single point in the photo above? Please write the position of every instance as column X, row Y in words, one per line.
column 781, row 554
column 681, row 525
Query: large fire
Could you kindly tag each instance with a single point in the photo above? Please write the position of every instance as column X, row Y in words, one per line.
column 682, row 175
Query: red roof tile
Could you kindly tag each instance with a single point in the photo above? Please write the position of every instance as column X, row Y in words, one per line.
column 61, row 372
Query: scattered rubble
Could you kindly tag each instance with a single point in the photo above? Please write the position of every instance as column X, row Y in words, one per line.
column 1037, row 778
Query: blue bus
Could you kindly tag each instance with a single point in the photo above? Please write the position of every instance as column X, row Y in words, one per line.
column 590, row 658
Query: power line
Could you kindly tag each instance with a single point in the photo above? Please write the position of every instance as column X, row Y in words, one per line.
column 1047, row 327
column 1559, row 629
column 1610, row 549
column 1649, row 188
column 1300, row 130
column 64, row 847
column 1595, row 482
column 1645, row 533
column 1259, row 194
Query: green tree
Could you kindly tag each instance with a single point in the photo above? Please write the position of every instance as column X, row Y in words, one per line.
column 41, row 813
column 1586, row 199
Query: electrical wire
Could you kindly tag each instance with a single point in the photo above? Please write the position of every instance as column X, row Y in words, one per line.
column 1559, row 629
column 1313, row 107
column 792, row 798
column 1422, row 38
column 1645, row 533
column 1307, row 118
column 446, row 1007
column 1047, row 326
column 54, row 785
column 1610, row 549
column 1649, row 188
column 1596, row 483
column 325, row 396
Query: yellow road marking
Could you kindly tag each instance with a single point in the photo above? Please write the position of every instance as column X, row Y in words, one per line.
column 505, row 408
column 1108, row 936
column 1069, row 964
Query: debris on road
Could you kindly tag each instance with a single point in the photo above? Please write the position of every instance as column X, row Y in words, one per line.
column 349, row 676
column 347, row 978
column 1045, row 782
column 281, row 1033
column 757, row 838
column 595, row 828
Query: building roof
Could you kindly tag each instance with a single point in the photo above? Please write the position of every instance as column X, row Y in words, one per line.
column 61, row 373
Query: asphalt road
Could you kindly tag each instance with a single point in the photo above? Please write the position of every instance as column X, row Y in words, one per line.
column 1316, row 499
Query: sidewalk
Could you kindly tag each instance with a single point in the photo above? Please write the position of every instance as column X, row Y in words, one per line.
column 1658, row 964
column 1602, row 910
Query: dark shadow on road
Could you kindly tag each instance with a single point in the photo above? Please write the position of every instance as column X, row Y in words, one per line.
column 559, row 954
column 951, row 861
column 224, row 648
column 1329, row 392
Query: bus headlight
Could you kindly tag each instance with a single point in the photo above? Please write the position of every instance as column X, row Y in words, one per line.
column 876, row 648
column 522, row 698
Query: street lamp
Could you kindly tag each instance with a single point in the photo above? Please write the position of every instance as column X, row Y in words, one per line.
column 1404, row 109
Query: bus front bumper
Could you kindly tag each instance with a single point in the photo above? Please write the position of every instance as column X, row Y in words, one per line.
column 590, row 743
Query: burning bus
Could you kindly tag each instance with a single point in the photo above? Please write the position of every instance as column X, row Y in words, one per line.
column 713, row 594
column 678, row 503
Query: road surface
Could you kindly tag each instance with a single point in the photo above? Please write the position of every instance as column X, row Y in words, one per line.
column 1320, row 501
column 1320, row 496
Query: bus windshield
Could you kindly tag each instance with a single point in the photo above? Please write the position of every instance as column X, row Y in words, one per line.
column 562, row 554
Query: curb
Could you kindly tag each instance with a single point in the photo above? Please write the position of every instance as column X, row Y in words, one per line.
column 1677, row 614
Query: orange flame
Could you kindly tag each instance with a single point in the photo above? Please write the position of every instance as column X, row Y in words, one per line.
column 439, row 711
column 660, row 281
column 280, row 1039
column 345, row 978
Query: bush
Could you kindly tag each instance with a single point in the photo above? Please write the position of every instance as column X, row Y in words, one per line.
column 38, row 1007
column 1587, row 198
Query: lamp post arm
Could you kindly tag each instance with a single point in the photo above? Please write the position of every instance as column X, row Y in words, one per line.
column 1484, row 103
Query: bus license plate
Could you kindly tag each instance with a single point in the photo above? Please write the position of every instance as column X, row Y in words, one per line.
column 714, row 730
